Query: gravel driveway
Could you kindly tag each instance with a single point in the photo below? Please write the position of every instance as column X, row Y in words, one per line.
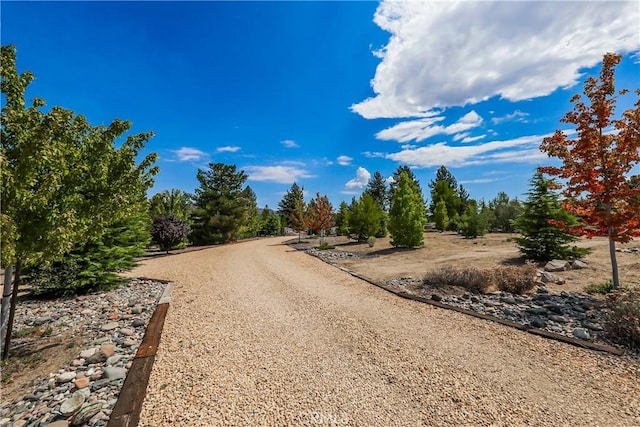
column 260, row 334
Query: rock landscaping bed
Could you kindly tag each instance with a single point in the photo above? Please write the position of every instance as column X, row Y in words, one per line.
column 107, row 328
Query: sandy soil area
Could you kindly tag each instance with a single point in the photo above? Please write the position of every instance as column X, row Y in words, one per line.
column 451, row 250
column 261, row 334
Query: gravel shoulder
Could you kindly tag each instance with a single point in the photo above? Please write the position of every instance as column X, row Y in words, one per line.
column 260, row 334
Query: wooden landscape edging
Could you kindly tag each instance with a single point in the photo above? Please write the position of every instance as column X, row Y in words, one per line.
column 126, row 412
column 535, row 331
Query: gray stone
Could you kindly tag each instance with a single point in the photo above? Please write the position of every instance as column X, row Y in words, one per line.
column 71, row 405
column 109, row 326
column 554, row 308
column 136, row 310
column 97, row 357
column 547, row 277
column 542, row 290
column 578, row 265
column 129, row 342
column 536, row 322
column 137, row 323
column 558, row 319
column 86, row 413
column 508, row 299
column 127, row 332
column 436, row 297
column 114, row 359
column 557, row 265
column 65, row 377
column 581, row 333
column 87, row 353
column 42, row 320
column 541, row 311
column 592, row 326
column 114, row 373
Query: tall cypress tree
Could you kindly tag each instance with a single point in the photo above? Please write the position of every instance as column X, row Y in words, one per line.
column 289, row 201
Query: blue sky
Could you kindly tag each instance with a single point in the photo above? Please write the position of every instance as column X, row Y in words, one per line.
column 326, row 93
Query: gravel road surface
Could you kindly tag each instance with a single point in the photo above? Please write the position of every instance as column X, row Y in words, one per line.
column 260, row 334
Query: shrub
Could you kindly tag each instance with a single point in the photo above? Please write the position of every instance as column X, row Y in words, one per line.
column 515, row 280
column 599, row 288
column 168, row 231
column 472, row 279
column 622, row 321
column 371, row 241
column 326, row 246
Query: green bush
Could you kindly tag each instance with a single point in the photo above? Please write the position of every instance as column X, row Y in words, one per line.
column 371, row 241
column 599, row 288
column 622, row 321
column 325, row 246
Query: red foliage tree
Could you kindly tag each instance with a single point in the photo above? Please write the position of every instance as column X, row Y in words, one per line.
column 596, row 165
column 320, row 215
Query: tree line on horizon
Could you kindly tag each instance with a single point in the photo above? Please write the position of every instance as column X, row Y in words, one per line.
column 75, row 210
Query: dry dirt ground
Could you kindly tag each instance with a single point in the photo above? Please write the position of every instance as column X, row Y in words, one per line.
column 261, row 334
column 451, row 250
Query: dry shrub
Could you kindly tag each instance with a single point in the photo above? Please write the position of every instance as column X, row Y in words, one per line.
column 622, row 322
column 516, row 280
column 472, row 279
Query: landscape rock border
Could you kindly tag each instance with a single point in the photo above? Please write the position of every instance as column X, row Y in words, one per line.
column 126, row 412
column 535, row 331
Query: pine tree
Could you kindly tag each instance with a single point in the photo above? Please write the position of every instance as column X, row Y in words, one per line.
column 288, row 203
column 541, row 239
column 364, row 218
column 220, row 204
column 407, row 214
column 298, row 220
column 342, row 219
column 472, row 222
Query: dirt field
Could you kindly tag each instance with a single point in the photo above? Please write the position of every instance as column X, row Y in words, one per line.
column 451, row 250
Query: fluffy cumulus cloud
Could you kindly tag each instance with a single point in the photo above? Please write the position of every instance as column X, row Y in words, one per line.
column 289, row 143
column 360, row 181
column 421, row 129
column 227, row 149
column 189, row 154
column 281, row 174
column 443, row 54
column 522, row 149
column 344, row 160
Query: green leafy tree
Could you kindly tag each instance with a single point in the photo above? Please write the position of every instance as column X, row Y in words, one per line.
column 364, row 218
column 270, row 223
column 221, row 204
column 504, row 212
column 473, row 223
column 541, row 239
column 445, row 188
column 287, row 205
column 440, row 216
column 407, row 215
column 64, row 182
column 320, row 215
column 251, row 224
column 342, row 219
column 172, row 202
column 377, row 189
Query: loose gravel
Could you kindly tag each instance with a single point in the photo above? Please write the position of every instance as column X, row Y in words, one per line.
column 260, row 334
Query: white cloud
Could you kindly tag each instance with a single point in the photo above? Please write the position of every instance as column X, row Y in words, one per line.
column 350, row 192
column 469, row 139
column 517, row 116
column 281, row 174
column 522, row 149
column 289, row 143
column 189, row 154
column 227, row 149
column 344, row 160
column 373, row 154
column 443, row 54
column 360, row 181
column 422, row 129
column 479, row 181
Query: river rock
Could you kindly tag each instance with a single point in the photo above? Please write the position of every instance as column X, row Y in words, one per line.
column 86, row 413
column 582, row 334
column 72, row 404
column 557, row 265
column 109, row 326
column 65, row 377
column 114, row 373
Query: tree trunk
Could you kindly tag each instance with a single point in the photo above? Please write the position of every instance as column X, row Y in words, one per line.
column 614, row 263
column 12, row 310
column 6, row 300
